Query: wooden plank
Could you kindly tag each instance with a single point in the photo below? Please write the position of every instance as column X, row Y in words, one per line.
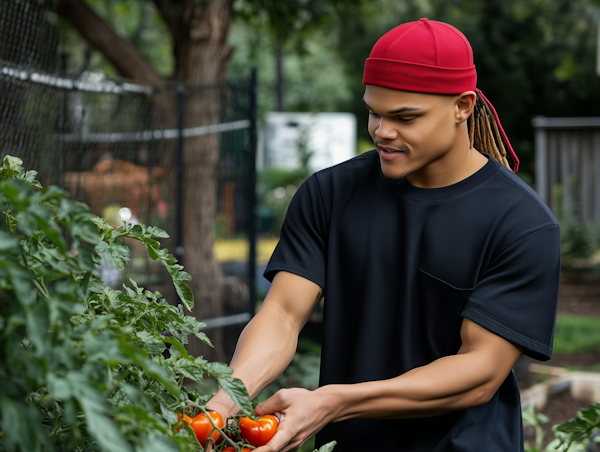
column 554, row 167
column 585, row 209
column 565, row 169
column 596, row 175
column 541, row 165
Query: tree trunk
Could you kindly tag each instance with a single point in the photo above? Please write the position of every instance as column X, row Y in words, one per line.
column 202, row 54
column 202, row 57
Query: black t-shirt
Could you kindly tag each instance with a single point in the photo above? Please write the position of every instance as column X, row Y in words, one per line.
column 401, row 266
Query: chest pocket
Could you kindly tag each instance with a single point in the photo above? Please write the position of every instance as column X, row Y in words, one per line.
column 443, row 288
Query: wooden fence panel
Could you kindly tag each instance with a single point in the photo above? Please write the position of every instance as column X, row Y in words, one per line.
column 568, row 155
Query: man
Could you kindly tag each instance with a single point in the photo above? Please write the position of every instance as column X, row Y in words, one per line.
column 439, row 267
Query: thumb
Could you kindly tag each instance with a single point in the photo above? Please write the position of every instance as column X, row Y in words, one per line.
column 272, row 405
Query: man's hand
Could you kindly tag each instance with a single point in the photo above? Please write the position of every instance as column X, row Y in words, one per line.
column 303, row 413
column 268, row 343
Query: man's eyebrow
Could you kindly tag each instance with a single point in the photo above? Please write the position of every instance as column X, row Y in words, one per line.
column 397, row 111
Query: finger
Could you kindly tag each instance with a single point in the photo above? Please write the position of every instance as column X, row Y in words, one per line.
column 281, row 439
column 271, row 405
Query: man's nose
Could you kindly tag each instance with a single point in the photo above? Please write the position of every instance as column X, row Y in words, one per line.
column 386, row 131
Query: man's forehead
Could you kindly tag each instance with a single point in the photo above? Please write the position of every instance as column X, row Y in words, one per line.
column 393, row 99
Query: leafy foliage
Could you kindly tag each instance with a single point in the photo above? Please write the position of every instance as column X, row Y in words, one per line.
column 577, row 433
column 532, row 419
column 574, row 435
column 85, row 366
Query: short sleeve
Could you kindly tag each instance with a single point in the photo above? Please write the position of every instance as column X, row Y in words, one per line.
column 302, row 244
column 518, row 294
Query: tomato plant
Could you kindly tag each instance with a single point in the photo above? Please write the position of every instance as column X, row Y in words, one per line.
column 85, row 366
column 232, row 449
column 258, row 433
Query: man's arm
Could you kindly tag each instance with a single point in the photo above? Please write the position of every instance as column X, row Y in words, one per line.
column 467, row 379
column 268, row 342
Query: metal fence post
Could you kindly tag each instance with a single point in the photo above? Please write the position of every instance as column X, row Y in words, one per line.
column 252, row 195
column 180, row 162
column 61, row 122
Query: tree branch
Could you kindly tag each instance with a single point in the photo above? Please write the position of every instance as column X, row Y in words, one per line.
column 118, row 51
column 171, row 13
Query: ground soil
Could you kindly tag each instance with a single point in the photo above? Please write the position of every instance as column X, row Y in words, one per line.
column 579, row 293
column 559, row 409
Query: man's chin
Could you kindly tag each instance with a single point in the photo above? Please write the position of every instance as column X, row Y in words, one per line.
column 396, row 177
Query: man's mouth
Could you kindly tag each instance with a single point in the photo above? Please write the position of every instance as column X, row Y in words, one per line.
column 388, row 149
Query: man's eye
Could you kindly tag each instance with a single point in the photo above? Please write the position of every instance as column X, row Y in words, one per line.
column 404, row 119
column 375, row 115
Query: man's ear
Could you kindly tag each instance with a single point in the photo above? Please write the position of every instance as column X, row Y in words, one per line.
column 465, row 103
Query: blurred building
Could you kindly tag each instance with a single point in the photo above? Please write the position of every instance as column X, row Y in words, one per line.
column 321, row 140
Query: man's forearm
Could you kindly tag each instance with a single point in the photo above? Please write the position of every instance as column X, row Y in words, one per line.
column 264, row 350
column 445, row 385
column 467, row 379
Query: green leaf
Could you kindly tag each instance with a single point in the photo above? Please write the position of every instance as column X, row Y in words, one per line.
column 9, row 243
column 21, row 426
column 234, row 387
column 150, row 343
column 178, row 346
column 204, row 338
column 101, row 246
column 96, row 409
column 327, row 447
column 14, row 164
column 115, row 259
column 152, row 253
column 157, row 232
column 167, row 413
column 218, row 370
column 189, row 368
column 156, row 372
column 185, row 294
column 30, row 179
column 37, row 327
column 58, row 387
column 27, row 223
column 157, row 443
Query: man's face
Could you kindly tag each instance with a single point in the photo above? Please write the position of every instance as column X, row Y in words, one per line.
column 413, row 132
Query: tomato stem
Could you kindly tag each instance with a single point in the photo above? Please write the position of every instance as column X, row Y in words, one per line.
column 215, row 427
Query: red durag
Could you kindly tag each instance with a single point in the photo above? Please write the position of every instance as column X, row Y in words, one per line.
column 426, row 57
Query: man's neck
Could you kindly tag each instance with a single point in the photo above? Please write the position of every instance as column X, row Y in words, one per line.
column 456, row 166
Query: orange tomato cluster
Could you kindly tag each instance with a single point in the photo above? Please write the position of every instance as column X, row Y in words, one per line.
column 256, row 433
column 202, row 425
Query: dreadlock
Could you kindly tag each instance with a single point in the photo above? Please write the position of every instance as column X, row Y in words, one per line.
column 481, row 135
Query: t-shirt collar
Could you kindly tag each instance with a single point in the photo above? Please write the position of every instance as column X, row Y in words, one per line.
column 406, row 190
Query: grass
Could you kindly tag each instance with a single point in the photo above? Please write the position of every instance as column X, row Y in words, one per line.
column 227, row 250
column 576, row 334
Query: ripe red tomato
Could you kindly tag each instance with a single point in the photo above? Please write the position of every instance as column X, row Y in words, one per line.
column 179, row 425
column 202, row 426
column 258, row 433
column 232, row 449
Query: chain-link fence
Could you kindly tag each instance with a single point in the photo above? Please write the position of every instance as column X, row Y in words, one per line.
column 172, row 156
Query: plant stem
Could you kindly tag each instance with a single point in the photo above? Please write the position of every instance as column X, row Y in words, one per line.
column 201, row 408
column 40, row 288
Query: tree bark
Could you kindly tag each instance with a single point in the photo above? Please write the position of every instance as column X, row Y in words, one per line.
column 119, row 51
column 202, row 54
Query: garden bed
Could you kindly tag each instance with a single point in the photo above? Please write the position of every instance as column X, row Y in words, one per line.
column 579, row 297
